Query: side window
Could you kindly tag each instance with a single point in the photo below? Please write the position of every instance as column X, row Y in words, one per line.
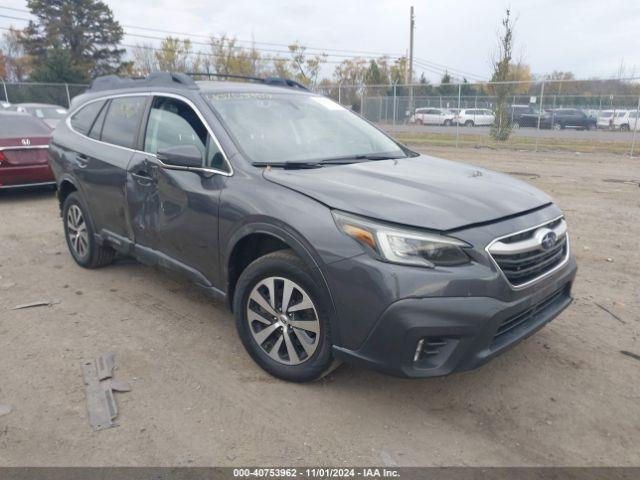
column 121, row 121
column 82, row 120
column 96, row 129
column 172, row 122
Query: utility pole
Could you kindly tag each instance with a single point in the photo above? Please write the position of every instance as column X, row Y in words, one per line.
column 412, row 25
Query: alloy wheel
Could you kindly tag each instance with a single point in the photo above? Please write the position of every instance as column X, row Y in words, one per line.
column 77, row 231
column 283, row 320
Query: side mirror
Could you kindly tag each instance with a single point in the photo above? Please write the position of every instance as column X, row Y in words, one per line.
column 185, row 156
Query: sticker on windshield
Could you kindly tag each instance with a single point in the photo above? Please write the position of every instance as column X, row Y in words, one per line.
column 328, row 104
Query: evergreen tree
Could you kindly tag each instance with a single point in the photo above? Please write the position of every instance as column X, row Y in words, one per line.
column 82, row 33
column 58, row 66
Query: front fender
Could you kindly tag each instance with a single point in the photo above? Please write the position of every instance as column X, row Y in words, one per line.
column 302, row 248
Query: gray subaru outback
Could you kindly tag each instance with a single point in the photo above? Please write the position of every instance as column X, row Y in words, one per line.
column 329, row 240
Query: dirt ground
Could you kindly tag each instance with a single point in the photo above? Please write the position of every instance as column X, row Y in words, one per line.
column 566, row 396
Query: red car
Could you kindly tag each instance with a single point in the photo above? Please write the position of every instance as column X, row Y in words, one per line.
column 24, row 145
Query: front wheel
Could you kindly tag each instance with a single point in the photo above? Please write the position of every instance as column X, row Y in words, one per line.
column 468, row 123
column 557, row 126
column 624, row 128
column 282, row 318
column 447, row 123
column 515, row 125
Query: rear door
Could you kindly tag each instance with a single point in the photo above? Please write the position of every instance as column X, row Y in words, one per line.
column 102, row 165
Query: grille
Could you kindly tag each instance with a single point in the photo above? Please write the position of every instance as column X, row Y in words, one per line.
column 528, row 315
column 526, row 256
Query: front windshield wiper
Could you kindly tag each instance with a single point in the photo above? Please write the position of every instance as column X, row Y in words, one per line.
column 360, row 157
column 288, row 164
column 345, row 160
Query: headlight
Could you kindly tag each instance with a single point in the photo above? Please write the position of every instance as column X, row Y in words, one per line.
column 397, row 245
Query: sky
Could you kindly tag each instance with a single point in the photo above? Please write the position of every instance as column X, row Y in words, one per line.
column 591, row 38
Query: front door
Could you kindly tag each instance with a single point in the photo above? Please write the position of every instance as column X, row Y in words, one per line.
column 174, row 213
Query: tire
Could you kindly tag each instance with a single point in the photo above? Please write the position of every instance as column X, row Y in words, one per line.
column 419, row 122
column 624, row 128
column 285, row 351
column 447, row 123
column 79, row 234
column 468, row 123
column 557, row 126
column 515, row 125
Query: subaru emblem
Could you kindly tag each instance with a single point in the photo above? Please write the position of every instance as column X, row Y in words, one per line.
column 548, row 241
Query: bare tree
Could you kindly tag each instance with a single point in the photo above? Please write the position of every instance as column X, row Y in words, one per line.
column 144, row 60
column 501, row 129
column 306, row 68
column 174, row 55
column 17, row 64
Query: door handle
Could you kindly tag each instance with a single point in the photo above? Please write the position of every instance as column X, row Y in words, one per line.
column 142, row 172
column 142, row 176
column 82, row 160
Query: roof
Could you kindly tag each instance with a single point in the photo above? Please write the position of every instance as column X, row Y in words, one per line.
column 183, row 81
column 252, row 87
column 15, row 114
column 36, row 105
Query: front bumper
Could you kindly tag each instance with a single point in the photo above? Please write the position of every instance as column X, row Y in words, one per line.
column 458, row 333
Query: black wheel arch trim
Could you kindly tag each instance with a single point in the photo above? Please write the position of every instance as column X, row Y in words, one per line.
column 297, row 243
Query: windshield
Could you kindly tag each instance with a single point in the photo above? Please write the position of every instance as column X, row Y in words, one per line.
column 606, row 113
column 284, row 127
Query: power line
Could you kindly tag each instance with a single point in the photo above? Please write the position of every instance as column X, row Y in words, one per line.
column 353, row 53
column 447, row 68
column 252, row 42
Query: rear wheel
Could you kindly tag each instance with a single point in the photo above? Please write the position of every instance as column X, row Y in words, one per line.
column 624, row 128
column 557, row 126
column 515, row 125
column 447, row 123
column 79, row 233
column 468, row 123
column 281, row 317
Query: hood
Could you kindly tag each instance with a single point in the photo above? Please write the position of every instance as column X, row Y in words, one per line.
column 425, row 192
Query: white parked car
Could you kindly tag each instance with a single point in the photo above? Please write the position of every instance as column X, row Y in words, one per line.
column 605, row 119
column 626, row 120
column 432, row 116
column 472, row 117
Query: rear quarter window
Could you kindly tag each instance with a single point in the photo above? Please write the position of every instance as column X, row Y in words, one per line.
column 82, row 120
column 12, row 125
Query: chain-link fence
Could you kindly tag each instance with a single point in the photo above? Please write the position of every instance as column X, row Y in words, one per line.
column 575, row 115
column 571, row 115
column 31, row 92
